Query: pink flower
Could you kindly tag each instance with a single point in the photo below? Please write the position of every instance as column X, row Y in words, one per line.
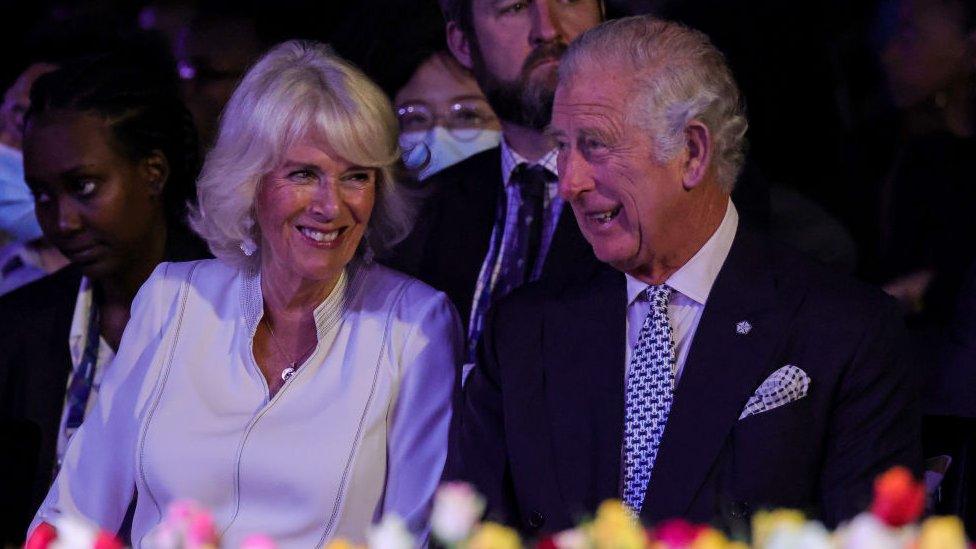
column 258, row 541
column 676, row 533
column 105, row 540
column 41, row 537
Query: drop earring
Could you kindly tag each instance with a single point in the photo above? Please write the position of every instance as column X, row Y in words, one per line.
column 248, row 247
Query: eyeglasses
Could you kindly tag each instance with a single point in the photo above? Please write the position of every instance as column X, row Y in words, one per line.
column 464, row 119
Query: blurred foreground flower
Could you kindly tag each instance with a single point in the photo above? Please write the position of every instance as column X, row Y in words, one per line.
column 765, row 523
column 494, row 536
column 187, row 525
column 942, row 533
column 390, row 533
column 616, row 528
column 457, row 508
column 898, row 498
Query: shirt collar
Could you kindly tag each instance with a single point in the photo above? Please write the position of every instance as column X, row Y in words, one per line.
column 78, row 334
column 326, row 314
column 695, row 278
column 511, row 160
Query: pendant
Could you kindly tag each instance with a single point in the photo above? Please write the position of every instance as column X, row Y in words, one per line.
column 287, row 373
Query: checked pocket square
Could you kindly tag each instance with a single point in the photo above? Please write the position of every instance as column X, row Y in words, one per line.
column 786, row 385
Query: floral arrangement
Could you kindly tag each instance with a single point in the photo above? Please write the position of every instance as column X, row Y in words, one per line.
column 890, row 523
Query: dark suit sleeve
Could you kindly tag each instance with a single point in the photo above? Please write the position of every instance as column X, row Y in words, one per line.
column 875, row 421
column 478, row 452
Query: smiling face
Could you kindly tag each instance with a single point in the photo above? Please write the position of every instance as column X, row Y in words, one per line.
column 633, row 210
column 102, row 210
column 312, row 212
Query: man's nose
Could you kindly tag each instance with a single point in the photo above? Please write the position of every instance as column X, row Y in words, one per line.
column 545, row 23
column 574, row 175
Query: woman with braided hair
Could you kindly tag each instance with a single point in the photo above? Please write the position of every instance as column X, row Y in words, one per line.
column 111, row 157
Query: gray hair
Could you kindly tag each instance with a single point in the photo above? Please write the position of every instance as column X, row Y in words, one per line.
column 679, row 76
column 295, row 90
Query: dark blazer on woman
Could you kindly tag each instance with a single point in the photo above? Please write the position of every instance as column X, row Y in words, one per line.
column 34, row 366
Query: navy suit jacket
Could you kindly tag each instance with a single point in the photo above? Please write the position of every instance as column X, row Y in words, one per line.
column 539, row 425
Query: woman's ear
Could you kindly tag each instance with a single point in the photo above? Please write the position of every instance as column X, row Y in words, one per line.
column 156, row 169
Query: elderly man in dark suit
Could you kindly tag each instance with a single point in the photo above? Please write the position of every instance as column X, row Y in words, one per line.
column 709, row 372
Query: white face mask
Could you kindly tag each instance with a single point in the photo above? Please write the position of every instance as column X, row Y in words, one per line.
column 443, row 148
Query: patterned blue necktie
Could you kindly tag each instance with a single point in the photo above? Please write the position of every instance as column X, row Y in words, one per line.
column 650, row 390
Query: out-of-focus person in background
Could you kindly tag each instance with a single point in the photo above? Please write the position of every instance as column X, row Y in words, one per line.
column 444, row 117
column 110, row 155
column 912, row 183
column 292, row 386
column 27, row 256
column 212, row 52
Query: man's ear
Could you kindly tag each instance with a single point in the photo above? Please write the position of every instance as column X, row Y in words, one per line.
column 459, row 45
column 156, row 169
column 698, row 154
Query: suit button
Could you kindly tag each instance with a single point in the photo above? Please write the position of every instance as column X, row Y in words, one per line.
column 536, row 520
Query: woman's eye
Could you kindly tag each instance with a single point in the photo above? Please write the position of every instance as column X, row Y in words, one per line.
column 301, row 176
column 358, row 179
column 84, row 188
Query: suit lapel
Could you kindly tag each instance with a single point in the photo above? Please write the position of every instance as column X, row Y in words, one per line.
column 723, row 369
column 467, row 212
column 584, row 387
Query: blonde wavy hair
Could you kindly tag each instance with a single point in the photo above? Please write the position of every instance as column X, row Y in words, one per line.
column 297, row 89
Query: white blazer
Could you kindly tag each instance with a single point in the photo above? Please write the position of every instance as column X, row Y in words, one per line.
column 360, row 430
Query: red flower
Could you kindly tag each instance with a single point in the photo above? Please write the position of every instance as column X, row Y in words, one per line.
column 41, row 537
column 546, row 543
column 676, row 533
column 104, row 540
column 898, row 498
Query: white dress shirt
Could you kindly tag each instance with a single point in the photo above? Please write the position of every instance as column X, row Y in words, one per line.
column 358, row 431
column 691, row 284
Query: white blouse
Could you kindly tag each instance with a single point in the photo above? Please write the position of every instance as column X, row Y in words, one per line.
column 360, row 429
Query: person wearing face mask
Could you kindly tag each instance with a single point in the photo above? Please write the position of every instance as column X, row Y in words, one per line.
column 444, row 117
column 27, row 255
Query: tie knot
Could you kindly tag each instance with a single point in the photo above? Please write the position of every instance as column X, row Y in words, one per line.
column 531, row 180
column 658, row 295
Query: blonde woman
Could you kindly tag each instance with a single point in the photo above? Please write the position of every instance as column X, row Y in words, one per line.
column 291, row 385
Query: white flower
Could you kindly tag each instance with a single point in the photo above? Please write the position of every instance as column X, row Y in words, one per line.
column 865, row 531
column 390, row 533
column 457, row 508
column 74, row 533
column 571, row 539
column 811, row 535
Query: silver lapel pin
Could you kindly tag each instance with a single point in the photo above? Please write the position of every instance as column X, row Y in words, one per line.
column 743, row 327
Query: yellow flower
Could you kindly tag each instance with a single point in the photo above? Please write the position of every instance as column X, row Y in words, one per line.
column 341, row 544
column 494, row 536
column 616, row 528
column 942, row 533
column 765, row 522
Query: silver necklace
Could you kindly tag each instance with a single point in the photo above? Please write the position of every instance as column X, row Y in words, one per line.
column 290, row 370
